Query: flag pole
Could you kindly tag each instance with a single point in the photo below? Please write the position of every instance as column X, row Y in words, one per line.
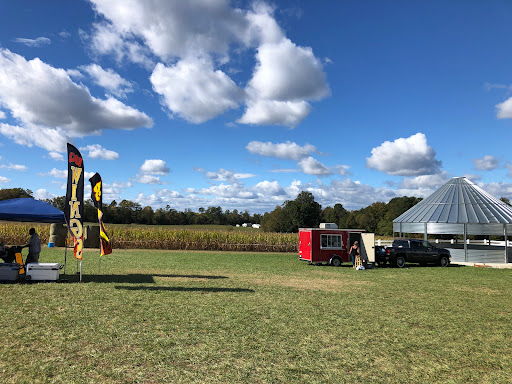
column 80, row 270
column 65, row 251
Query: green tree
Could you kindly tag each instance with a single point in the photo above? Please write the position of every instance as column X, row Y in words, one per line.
column 15, row 193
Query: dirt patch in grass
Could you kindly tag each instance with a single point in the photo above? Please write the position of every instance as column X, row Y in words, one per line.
column 481, row 290
column 305, row 283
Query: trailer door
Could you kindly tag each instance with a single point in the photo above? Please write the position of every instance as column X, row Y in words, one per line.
column 367, row 247
column 305, row 239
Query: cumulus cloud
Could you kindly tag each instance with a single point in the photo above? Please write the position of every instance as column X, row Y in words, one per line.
column 504, row 110
column 14, row 167
column 53, row 140
column 148, row 179
column 108, row 79
column 286, row 72
column 287, row 150
column 275, row 112
column 192, row 39
column 44, row 98
column 487, row 163
column 96, row 151
column 4, row 180
column 269, row 189
column 177, row 28
column 410, row 156
column 56, row 156
column 195, row 91
column 43, row 194
column 225, row 175
column 154, row 167
column 311, row 166
column 431, row 182
column 2, row 114
column 57, row 173
column 38, row 42
column 228, row 190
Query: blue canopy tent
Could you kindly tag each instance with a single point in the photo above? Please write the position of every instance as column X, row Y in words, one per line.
column 31, row 210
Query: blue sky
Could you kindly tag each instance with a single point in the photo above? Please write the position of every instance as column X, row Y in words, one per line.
column 244, row 104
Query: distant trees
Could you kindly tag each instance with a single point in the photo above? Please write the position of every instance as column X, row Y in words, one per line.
column 304, row 212
column 15, row 193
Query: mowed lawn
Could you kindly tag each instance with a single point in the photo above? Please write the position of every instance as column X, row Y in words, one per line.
column 217, row 317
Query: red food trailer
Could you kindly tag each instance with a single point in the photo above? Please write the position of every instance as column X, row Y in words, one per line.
column 330, row 245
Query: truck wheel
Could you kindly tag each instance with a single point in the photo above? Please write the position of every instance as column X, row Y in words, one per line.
column 400, row 261
column 335, row 261
column 444, row 261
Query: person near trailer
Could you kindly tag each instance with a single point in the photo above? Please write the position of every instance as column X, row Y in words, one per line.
column 34, row 247
column 354, row 252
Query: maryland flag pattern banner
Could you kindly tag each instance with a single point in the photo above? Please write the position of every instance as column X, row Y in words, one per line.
column 74, row 207
column 97, row 198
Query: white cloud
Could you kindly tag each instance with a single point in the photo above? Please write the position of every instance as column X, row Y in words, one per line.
column 14, row 167
column 154, row 167
column 57, row 173
column 410, row 156
column 108, row 79
column 195, row 91
column 487, row 163
column 504, row 110
column 175, row 28
column 2, row 114
column 229, row 191
column 38, row 42
column 286, row 72
column 274, row 112
column 56, row 156
column 96, row 151
column 42, row 194
column 431, row 182
column 53, row 140
column 45, row 98
column 4, row 180
column 148, row 179
column 287, row 150
column 194, row 38
column 498, row 190
column 269, row 188
column 311, row 166
column 225, row 175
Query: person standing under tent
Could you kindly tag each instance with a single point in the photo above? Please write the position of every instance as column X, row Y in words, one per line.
column 34, row 247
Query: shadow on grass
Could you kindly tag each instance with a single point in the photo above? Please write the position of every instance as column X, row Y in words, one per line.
column 184, row 289
column 130, row 278
column 194, row 276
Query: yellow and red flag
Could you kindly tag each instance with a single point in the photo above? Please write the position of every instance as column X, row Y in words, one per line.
column 97, row 198
column 74, row 207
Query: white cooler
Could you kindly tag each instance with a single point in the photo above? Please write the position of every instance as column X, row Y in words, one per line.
column 42, row 271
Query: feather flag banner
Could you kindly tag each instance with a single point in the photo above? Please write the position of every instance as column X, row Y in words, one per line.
column 74, row 207
column 97, row 198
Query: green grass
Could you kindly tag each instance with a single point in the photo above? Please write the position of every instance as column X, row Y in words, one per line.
column 213, row 317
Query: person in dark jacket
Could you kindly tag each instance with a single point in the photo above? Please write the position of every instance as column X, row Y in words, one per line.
column 34, row 247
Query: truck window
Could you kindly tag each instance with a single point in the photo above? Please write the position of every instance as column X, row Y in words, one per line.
column 331, row 241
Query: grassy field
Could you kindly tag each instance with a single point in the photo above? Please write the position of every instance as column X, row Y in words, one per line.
column 220, row 317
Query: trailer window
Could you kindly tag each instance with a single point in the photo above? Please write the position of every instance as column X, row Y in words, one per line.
column 331, row 241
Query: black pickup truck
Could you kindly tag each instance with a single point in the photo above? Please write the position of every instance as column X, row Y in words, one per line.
column 414, row 251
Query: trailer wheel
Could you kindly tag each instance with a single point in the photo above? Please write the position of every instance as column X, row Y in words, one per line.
column 335, row 261
column 400, row 261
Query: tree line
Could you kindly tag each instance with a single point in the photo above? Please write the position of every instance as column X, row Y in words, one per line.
column 303, row 212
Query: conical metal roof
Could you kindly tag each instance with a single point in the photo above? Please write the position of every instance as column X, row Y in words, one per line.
column 459, row 201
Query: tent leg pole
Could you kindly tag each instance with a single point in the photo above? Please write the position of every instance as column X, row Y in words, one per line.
column 506, row 242
column 65, row 252
column 465, row 243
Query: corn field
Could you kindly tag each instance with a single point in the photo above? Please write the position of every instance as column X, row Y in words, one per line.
column 168, row 238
